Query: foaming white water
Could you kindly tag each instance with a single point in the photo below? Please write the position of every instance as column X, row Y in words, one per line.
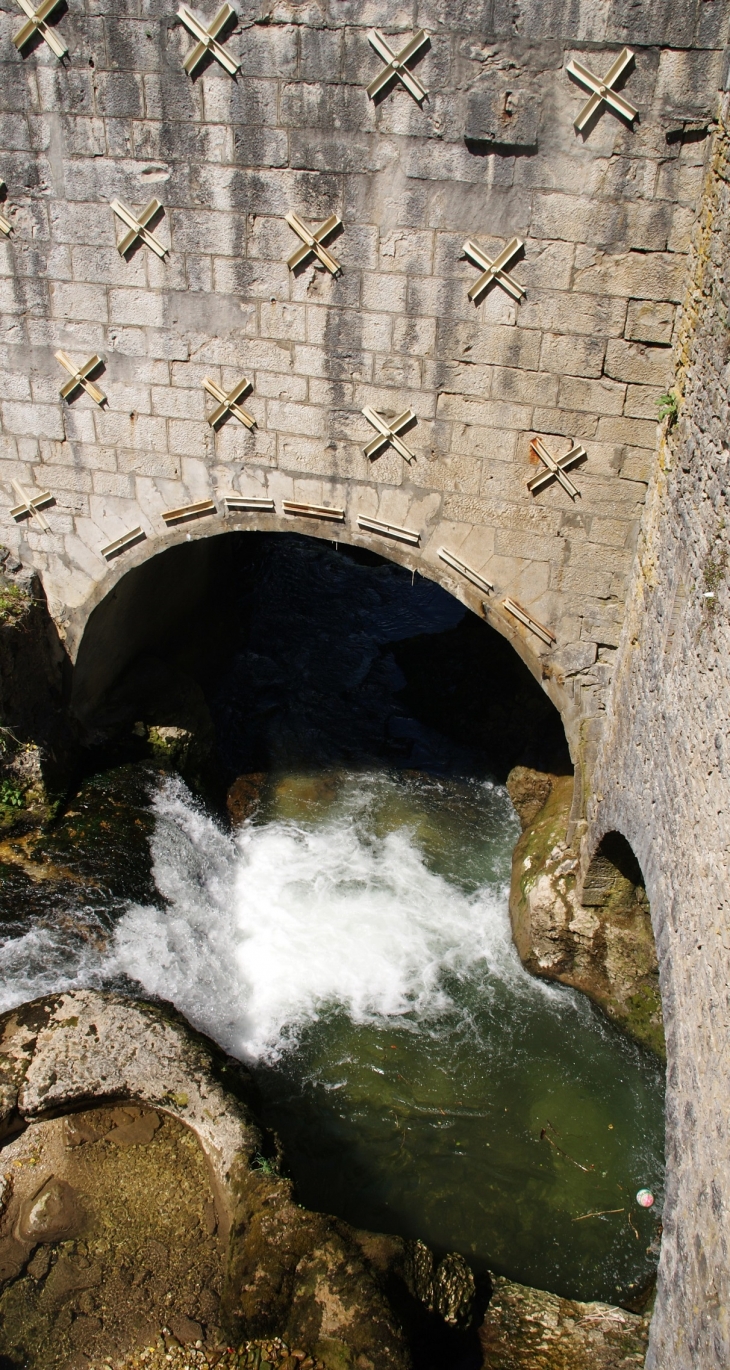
column 264, row 932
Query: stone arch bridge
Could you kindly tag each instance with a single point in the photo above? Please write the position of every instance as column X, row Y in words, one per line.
column 571, row 343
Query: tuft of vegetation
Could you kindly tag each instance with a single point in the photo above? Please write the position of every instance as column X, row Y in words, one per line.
column 10, row 796
column 668, row 407
column 266, row 1166
column 13, row 603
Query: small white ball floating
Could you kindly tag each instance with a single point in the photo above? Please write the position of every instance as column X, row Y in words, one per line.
column 645, row 1198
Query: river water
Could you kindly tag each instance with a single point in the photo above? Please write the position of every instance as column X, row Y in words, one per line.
column 351, row 942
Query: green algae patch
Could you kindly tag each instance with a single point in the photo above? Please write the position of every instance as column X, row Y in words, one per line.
column 103, row 834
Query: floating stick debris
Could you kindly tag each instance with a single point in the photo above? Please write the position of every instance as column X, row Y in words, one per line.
column 556, row 466
column 138, row 227
column 457, row 564
column 37, row 24
column 207, row 39
column 602, row 89
column 312, row 511
column 522, row 615
column 601, row 1213
column 389, row 433
column 80, row 378
column 121, row 544
column 313, row 242
column 31, row 505
column 494, row 269
column 189, row 511
column 544, row 1138
column 241, row 503
column 389, row 530
column 228, row 403
column 396, row 64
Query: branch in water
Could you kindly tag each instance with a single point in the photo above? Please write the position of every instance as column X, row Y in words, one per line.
column 544, row 1138
column 601, row 1213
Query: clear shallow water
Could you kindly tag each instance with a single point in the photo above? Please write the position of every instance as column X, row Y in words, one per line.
column 352, row 942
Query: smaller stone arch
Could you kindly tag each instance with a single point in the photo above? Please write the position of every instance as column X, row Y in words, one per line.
column 613, row 894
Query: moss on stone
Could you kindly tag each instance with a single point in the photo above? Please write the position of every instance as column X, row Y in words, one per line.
column 604, row 945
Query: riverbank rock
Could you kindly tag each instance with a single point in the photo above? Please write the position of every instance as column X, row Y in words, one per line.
column 528, row 1329
column 33, row 736
column 141, row 1195
column 602, row 944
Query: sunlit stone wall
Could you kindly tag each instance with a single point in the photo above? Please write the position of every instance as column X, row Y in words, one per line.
column 606, row 219
column 663, row 781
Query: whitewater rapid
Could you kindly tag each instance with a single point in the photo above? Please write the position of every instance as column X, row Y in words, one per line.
column 266, row 930
column 260, row 932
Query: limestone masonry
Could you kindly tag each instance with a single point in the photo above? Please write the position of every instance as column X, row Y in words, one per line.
column 492, row 154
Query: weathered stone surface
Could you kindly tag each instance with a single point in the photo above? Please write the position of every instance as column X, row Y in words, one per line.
column 81, row 1046
column 662, row 781
column 88, row 1174
column 527, row 1329
column 502, row 116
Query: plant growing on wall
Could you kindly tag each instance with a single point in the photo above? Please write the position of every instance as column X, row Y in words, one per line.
column 668, row 407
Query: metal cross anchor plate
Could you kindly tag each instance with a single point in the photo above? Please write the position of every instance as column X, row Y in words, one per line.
column 395, row 65
column 389, row 433
column 494, row 269
column 228, row 403
column 313, row 242
column 31, row 505
column 603, row 93
column 556, row 466
column 80, row 377
column 138, row 227
column 207, row 39
column 37, row 24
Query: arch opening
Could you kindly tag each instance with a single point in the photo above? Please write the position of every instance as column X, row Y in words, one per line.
column 626, row 974
column 274, row 648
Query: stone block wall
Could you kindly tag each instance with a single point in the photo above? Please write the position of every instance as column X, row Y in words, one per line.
column 606, row 221
column 662, row 781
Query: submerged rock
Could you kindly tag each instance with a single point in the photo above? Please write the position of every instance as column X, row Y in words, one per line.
column 602, row 944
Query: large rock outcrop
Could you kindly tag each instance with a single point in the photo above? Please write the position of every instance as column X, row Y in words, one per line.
column 599, row 938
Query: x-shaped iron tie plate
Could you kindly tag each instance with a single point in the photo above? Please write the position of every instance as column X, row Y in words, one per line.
column 396, row 65
column 602, row 89
column 494, row 270
column 556, row 467
column 389, row 433
column 36, row 23
column 137, row 226
column 31, row 505
column 80, row 378
column 313, row 242
column 207, row 39
column 228, row 403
